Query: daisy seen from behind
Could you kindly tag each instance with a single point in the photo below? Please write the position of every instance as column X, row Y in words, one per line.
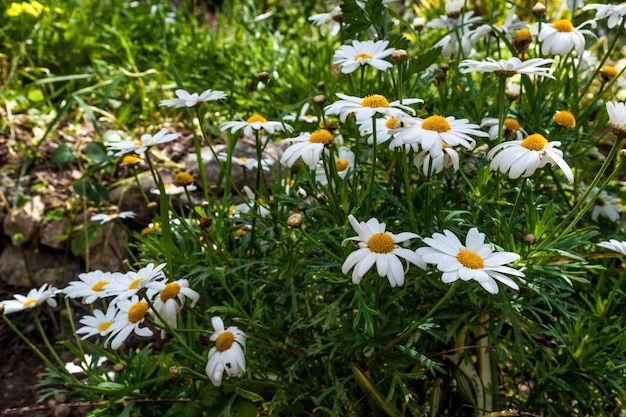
column 473, row 261
column 614, row 245
column 228, row 354
column 105, row 218
column 255, row 123
column 184, row 99
column 617, row 117
column 145, row 141
column 524, row 157
column 369, row 106
column 359, row 54
column 34, row 298
column 333, row 18
column 377, row 246
column 615, row 13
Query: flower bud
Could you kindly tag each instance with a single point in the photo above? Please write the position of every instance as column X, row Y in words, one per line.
column 321, row 85
column 539, row 9
column 319, row 100
column 174, row 372
column 399, row 55
column 263, row 76
column 419, row 23
column 295, row 220
column 530, row 239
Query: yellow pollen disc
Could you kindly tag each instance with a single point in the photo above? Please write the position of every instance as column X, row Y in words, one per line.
column 511, row 124
column 256, row 118
column 289, row 181
column 137, row 312
column 130, row 160
column 374, row 101
column 243, row 159
column 534, row 142
column 498, row 24
column 103, row 327
column 565, row 119
column 30, row 302
column 170, row 291
column 135, row 284
column 183, row 178
column 436, row 123
column 381, row 243
column 138, row 143
column 522, row 35
column 166, row 186
column 444, row 145
column 470, row 259
column 99, row 286
column 600, row 202
column 609, row 72
column 391, row 123
column 240, row 232
column 362, row 55
column 321, row 136
column 224, row 341
column 341, row 165
column 563, row 26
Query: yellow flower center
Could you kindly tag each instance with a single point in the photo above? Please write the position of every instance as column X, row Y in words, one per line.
column 522, row 35
column 321, row 136
column 381, row 243
column 436, row 123
column 170, row 291
column 138, row 143
column 99, row 286
column 135, row 284
column 224, row 341
column 166, row 186
column 103, row 327
column 240, row 232
column 565, row 118
column 130, row 160
column 256, row 118
column 608, row 73
column 470, row 259
column 183, row 179
column 600, row 202
column 243, row 159
column 362, row 55
column 391, row 123
column 30, row 302
column 341, row 165
column 511, row 124
column 137, row 312
column 534, row 142
column 563, row 25
column 374, row 101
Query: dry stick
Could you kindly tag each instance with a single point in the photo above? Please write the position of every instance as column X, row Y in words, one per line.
column 91, row 403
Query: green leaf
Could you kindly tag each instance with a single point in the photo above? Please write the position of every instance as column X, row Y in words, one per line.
column 252, row 396
column 90, row 189
column 244, row 408
column 63, row 154
column 96, row 151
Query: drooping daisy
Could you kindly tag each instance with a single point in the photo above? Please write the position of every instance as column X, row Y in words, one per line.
column 508, row 67
column 172, row 189
column 371, row 53
column 614, row 245
column 376, row 246
column 132, row 313
column 140, row 146
column 170, row 299
column 448, row 158
column 615, row 13
column 228, row 354
column 560, row 37
column 605, row 205
column 247, row 163
column 523, row 158
column 308, row 146
column 34, row 298
column 344, row 162
column 617, row 117
column 100, row 323
column 130, row 283
column 304, row 116
column 510, row 128
column 368, row 106
column 91, row 286
column 473, row 261
column 334, row 19
column 184, row 99
column 105, row 218
column 256, row 122
column 431, row 133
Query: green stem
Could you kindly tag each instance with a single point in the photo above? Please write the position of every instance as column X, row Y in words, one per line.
column 374, row 160
column 29, row 343
column 53, row 352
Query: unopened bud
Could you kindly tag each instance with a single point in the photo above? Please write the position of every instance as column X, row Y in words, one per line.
column 319, row 99
column 530, row 239
column 295, row 220
column 118, row 367
column 174, row 372
column 419, row 23
column 206, row 222
column 539, row 9
column 152, row 205
column 399, row 56
column 321, row 85
column 263, row 76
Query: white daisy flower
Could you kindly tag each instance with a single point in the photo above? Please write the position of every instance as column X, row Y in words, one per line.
column 308, row 146
column 384, row 125
column 376, row 246
column 560, row 37
column 100, row 323
column 334, row 19
column 510, row 128
column 140, row 146
column 256, row 122
column 523, row 158
column 247, row 206
column 508, row 67
column 132, row 312
column 344, row 162
column 371, row 53
column 34, row 298
column 473, row 261
column 448, row 158
column 617, row 117
column 431, row 133
column 130, row 283
column 505, row 29
column 458, row 38
column 170, row 299
column 91, row 285
column 172, row 189
column 615, row 13
column 364, row 108
column 247, row 163
column 605, row 205
column 228, row 354
column 105, row 218
column 85, row 363
column 614, row 245
column 304, row 116
column 190, row 100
